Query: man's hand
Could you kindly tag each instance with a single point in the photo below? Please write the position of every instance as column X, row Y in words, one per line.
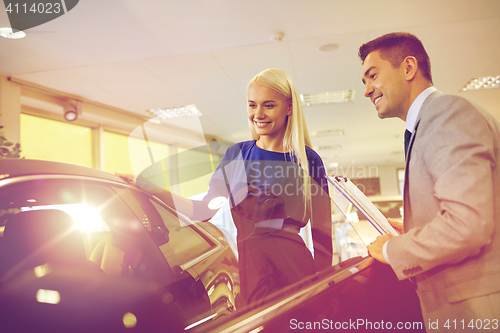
column 396, row 225
column 375, row 248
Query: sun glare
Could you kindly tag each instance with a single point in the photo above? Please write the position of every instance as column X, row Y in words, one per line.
column 86, row 217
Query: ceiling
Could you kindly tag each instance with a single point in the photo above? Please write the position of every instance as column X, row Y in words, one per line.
column 137, row 55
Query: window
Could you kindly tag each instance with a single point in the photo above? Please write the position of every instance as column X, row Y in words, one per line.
column 110, row 235
column 58, row 141
column 195, row 169
column 179, row 242
column 401, row 180
column 127, row 154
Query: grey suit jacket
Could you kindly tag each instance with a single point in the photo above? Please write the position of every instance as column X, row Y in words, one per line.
column 451, row 242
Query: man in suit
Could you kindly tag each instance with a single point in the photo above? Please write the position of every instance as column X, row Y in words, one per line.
column 451, row 241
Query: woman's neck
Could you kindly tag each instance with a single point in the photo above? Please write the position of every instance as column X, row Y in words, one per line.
column 266, row 143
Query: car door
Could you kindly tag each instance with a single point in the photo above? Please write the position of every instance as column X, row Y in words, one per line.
column 197, row 252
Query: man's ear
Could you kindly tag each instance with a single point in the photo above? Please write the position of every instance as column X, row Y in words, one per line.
column 410, row 64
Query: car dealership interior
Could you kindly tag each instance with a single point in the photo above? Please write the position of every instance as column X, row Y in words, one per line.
column 114, row 62
column 124, row 86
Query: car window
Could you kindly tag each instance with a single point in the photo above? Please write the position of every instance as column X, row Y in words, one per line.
column 113, row 239
column 179, row 241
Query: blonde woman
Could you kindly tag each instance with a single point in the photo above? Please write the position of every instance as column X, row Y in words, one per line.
column 279, row 159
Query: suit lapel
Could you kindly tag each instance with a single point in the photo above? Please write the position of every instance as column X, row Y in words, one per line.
column 417, row 122
column 406, row 192
column 410, row 144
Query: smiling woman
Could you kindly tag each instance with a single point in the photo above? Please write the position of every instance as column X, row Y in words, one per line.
column 278, row 159
column 268, row 112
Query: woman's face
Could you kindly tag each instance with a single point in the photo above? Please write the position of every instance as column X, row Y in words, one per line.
column 268, row 111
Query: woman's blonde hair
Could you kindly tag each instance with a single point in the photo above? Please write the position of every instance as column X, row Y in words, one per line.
column 296, row 135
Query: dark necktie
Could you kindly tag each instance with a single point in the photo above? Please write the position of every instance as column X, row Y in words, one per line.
column 407, row 141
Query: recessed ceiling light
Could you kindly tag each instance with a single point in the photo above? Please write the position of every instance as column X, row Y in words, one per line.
column 325, row 148
column 277, row 37
column 341, row 96
column 328, row 47
column 12, row 33
column 485, row 82
column 330, row 132
column 178, row 112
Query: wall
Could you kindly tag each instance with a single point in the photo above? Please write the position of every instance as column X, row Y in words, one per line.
column 388, row 176
column 10, row 109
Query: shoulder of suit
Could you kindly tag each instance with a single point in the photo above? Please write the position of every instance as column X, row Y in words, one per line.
column 439, row 96
column 447, row 103
column 440, row 109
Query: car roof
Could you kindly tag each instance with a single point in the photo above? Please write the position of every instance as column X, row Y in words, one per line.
column 13, row 167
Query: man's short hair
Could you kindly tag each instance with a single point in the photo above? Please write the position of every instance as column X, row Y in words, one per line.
column 395, row 47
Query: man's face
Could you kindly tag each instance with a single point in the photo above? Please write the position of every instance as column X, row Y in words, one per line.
column 386, row 86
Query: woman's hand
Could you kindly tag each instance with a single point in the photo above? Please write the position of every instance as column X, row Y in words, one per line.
column 127, row 178
column 181, row 204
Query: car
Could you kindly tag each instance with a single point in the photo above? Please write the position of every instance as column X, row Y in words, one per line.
column 82, row 251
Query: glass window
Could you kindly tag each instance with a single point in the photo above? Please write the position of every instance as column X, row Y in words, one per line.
column 53, row 140
column 110, row 235
column 401, row 180
column 179, row 241
column 120, row 149
column 185, row 243
column 195, row 170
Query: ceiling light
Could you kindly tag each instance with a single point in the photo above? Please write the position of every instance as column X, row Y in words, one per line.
column 70, row 115
column 12, row 33
column 183, row 111
column 341, row 96
column 329, row 132
column 485, row 82
column 323, row 148
column 328, row 47
column 277, row 37
column 71, row 112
